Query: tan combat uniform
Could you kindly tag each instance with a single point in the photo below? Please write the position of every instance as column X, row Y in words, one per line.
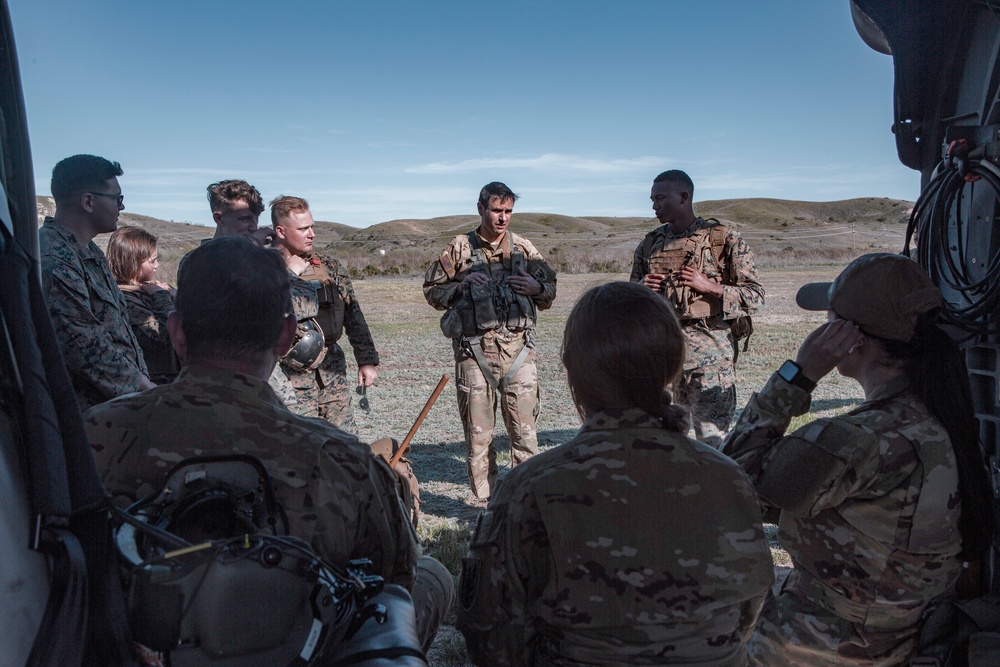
column 89, row 315
column 629, row 545
column 870, row 507
column 708, row 384
column 492, row 326
column 324, row 293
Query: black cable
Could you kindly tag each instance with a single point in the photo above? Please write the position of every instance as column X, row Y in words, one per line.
column 942, row 224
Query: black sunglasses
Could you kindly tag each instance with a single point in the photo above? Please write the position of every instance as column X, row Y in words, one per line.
column 118, row 198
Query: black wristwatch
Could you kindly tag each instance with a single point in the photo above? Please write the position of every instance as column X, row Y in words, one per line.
column 791, row 373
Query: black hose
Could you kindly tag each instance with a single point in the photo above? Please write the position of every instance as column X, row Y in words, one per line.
column 942, row 224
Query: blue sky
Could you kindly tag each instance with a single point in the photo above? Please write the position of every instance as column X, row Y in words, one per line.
column 382, row 110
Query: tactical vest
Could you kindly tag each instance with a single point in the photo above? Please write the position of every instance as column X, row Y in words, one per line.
column 495, row 305
column 688, row 251
column 331, row 304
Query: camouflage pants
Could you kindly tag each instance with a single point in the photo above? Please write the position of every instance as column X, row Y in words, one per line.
column 323, row 393
column 795, row 630
column 710, row 394
column 477, row 405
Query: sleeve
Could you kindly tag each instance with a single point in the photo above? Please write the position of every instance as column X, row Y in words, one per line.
column 742, row 292
column 91, row 353
column 354, row 320
column 815, row 468
column 542, row 272
column 360, row 514
column 443, row 279
column 507, row 556
column 640, row 262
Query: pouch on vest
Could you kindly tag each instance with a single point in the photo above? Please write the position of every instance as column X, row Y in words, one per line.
column 483, row 306
column 213, row 578
column 331, row 309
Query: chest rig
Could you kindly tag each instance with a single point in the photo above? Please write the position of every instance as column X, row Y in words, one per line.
column 690, row 250
column 331, row 305
column 495, row 305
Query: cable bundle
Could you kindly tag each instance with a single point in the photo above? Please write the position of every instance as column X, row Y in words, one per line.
column 943, row 224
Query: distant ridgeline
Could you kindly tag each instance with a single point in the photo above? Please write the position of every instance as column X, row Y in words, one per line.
column 780, row 233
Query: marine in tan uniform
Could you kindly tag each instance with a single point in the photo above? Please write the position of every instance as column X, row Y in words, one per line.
column 326, row 306
column 706, row 271
column 631, row 544
column 880, row 506
column 492, row 282
column 231, row 332
column 88, row 310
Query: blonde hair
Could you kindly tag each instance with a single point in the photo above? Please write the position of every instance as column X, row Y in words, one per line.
column 128, row 248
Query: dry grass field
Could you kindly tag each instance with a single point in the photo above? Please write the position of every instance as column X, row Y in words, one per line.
column 415, row 355
column 794, row 243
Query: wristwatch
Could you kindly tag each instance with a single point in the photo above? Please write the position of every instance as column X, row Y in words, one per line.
column 791, row 373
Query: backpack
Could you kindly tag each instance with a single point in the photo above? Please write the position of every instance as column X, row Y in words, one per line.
column 740, row 327
column 213, row 579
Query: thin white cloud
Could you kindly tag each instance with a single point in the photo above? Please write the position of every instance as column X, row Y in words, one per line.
column 561, row 162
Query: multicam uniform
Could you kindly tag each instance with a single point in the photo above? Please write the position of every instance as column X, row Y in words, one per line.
column 869, row 514
column 708, row 383
column 324, row 293
column 490, row 325
column 629, row 545
column 335, row 492
column 89, row 314
column 147, row 315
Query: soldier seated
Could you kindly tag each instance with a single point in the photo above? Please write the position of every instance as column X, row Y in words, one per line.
column 231, row 325
column 630, row 544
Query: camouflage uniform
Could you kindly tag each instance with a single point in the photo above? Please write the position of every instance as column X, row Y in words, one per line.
column 89, row 314
column 708, row 383
column 477, row 400
column 325, row 392
column 629, row 545
column 335, row 492
column 147, row 315
column 869, row 514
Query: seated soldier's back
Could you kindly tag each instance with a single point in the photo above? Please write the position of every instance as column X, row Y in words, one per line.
column 336, row 493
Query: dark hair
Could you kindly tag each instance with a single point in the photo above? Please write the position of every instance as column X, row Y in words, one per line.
column 282, row 206
column 677, row 177
column 221, row 195
column 935, row 367
column 622, row 348
column 233, row 297
column 128, row 248
column 495, row 190
column 75, row 175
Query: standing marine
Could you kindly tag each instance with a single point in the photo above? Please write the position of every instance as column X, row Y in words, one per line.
column 706, row 271
column 492, row 283
column 315, row 368
column 88, row 310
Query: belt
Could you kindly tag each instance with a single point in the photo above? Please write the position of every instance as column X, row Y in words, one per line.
column 474, row 343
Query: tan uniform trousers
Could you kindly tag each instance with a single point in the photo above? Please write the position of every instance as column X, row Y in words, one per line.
column 477, row 403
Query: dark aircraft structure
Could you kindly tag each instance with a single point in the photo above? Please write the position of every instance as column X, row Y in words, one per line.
column 946, row 58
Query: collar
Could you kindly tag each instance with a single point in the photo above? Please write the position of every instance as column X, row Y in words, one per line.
column 239, row 383
column 891, row 389
column 603, row 420
column 89, row 251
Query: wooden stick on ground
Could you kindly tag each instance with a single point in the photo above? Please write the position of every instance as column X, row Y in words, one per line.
column 405, row 445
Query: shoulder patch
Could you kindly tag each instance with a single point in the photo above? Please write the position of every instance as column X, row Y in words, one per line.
column 447, row 264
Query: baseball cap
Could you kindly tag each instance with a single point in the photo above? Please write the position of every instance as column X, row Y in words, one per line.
column 884, row 294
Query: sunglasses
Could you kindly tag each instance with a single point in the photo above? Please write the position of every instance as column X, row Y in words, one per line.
column 119, row 198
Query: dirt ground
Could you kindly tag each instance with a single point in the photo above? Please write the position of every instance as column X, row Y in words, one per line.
column 414, row 356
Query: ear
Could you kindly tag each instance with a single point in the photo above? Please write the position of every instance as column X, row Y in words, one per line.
column 480, row 208
column 685, row 197
column 286, row 337
column 87, row 202
column 279, row 231
column 217, row 216
column 177, row 338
